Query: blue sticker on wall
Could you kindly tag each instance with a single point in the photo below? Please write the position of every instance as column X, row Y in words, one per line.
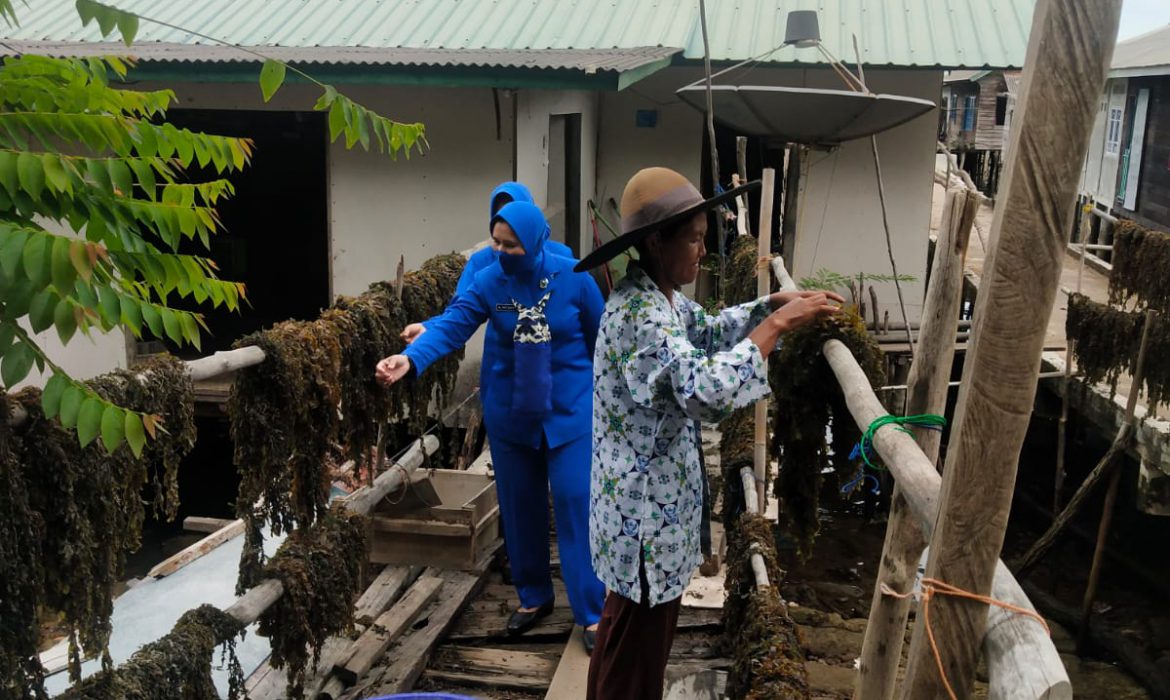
column 646, row 118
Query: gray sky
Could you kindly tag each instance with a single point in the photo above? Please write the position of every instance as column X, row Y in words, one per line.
column 1141, row 16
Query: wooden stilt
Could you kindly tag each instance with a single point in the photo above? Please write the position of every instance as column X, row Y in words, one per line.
column 1114, row 484
column 763, row 286
column 881, row 650
column 1068, row 58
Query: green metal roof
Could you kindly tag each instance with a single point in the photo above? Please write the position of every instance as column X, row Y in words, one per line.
column 911, row 33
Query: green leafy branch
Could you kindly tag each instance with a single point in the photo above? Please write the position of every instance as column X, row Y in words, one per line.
column 830, row 281
column 358, row 123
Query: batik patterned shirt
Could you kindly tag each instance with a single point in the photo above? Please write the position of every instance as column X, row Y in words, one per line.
column 658, row 367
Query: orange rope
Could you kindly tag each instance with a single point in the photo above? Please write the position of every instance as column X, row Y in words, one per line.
column 932, row 587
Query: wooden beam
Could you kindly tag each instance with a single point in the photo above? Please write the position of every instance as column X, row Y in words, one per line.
column 389, row 626
column 180, row 559
column 571, row 677
column 385, row 589
column 414, row 652
column 195, row 523
column 929, row 377
column 1022, row 660
column 1069, row 51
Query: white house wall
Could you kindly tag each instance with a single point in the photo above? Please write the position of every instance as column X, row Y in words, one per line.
column 840, row 225
column 533, row 141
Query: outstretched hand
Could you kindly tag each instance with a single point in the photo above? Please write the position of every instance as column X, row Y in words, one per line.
column 804, row 308
column 392, row 369
column 781, row 298
column 412, row 332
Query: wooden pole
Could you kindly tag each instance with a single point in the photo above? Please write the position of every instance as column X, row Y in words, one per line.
column 791, row 202
column 1062, row 426
column 928, row 382
column 1023, row 663
column 1111, row 494
column 252, row 604
column 763, row 287
column 1068, row 58
column 759, row 568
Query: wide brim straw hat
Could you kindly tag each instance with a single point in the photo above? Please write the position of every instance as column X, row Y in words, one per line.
column 656, row 199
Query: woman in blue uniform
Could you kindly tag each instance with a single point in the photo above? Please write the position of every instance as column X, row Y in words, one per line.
column 485, row 257
column 543, row 318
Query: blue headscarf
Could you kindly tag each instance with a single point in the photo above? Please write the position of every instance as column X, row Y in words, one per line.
column 515, row 191
column 531, row 228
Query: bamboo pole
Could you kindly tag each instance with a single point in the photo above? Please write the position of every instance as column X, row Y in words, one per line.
column 1111, row 494
column 763, row 287
column 1068, row 58
column 250, row 606
column 759, row 568
column 928, row 384
column 1023, row 663
column 1062, row 426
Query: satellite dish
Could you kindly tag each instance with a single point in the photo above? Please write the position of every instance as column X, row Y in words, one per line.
column 805, row 115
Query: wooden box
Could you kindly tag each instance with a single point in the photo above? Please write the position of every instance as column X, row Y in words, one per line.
column 457, row 533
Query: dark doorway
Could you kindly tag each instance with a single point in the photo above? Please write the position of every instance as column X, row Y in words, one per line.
column 275, row 236
column 564, row 180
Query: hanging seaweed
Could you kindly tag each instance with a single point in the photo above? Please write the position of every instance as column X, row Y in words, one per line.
column 1140, row 260
column 426, row 293
column 1107, row 341
column 176, row 666
column 316, row 389
column 736, row 434
column 742, row 270
column 770, row 663
column 21, row 675
column 321, row 569
column 77, row 512
column 808, row 402
column 768, row 660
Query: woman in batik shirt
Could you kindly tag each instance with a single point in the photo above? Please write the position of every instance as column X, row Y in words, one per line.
column 651, row 383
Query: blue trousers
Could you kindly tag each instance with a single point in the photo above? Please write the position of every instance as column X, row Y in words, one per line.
column 523, row 478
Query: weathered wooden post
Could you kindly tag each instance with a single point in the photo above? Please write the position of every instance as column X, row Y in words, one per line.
column 1068, row 57
column 763, row 286
column 926, row 393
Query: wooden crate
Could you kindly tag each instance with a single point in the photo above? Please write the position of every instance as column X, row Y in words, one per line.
column 455, row 534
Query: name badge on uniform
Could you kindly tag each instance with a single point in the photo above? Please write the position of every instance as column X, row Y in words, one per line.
column 506, row 307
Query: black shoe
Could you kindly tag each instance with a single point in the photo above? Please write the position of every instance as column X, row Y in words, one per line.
column 521, row 622
column 590, row 638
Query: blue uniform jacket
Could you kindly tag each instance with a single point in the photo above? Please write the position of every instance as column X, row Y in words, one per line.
column 480, row 259
column 574, row 312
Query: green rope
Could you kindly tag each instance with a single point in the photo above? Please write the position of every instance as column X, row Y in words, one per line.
column 925, row 420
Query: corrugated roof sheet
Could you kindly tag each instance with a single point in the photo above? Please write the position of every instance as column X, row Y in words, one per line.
column 586, row 60
column 1150, row 50
column 949, row 33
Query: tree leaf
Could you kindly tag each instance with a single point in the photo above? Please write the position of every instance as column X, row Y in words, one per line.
column 271, row 78
column 71, row 405
column 151, row 315
column 132, row 315
column 17, row 362
column 7, row 333
column 55, row 173
column 31, row 174
column 150, row 423
column 8, row 175
column 89, row 420
column 51, row 396
column 171, row 324
column 120, row 178
column 64, row 321
column 61, row 265
column 190, row 329
column 145, row 175
column 336, row 118
column 40, row 310
column 113, row 427
column 36, row 259
column 110, row 308
column 135, row 436
column 11, row 249
column 79, row 257
column 128, row 26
